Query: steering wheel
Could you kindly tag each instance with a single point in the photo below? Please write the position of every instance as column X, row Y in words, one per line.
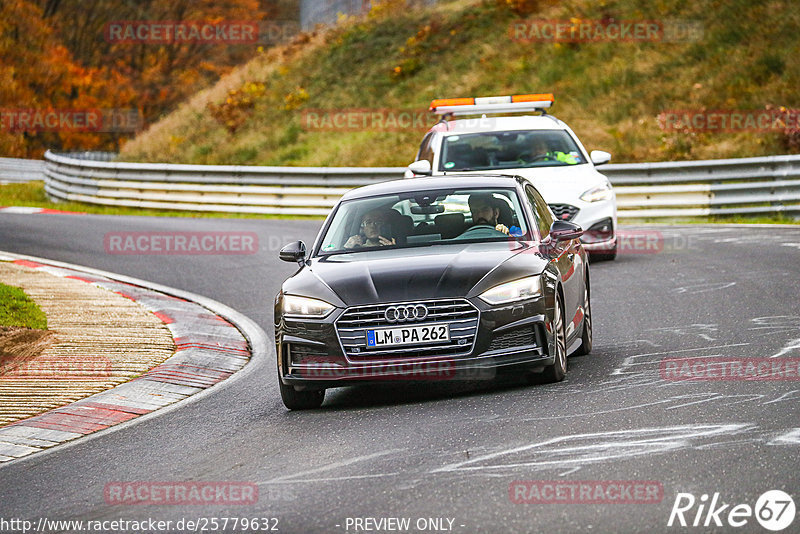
column 480, row 230
column 535, row 158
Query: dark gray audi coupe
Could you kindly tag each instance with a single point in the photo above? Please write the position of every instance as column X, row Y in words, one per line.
column 449, row 278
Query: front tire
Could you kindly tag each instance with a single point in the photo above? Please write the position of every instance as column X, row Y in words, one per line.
column 558, row 370
column 586, row 335
column 608, row 255
column 300, row 400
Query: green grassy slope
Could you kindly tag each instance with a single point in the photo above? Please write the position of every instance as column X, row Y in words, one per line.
column 609, row 92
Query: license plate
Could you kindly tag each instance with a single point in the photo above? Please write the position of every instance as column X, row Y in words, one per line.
column 407, row 335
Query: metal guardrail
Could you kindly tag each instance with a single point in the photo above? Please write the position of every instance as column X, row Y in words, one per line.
column 226, row 188
column 747, row 186
column 669, row 189
column 21, row 170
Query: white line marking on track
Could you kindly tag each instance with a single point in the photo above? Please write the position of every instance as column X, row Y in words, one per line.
column 330, row 479
column 334, row 465
column 789, row 347
column 702, row 331
column 570, row 471
column 598, row 447
column 703, row 288
column 788, row 438
column 787, row 394
column 629, row 361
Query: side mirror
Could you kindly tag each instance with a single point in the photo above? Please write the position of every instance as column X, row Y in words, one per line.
column 599, row 157
column 565, row 230
column 294, row 252
column 421, row 167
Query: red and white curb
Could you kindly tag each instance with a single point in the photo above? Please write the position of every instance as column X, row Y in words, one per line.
column 26, row 210
column 209, row 349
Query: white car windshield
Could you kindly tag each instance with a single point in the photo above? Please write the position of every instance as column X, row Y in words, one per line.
column 508, row 150
column 425, row 218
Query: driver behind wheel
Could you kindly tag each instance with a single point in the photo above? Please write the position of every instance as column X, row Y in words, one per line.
column 541, row 151
column 485, row 211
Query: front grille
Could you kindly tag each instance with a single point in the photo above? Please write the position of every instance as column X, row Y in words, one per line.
column 564, row 212
column 458, row 313
column 519, row 337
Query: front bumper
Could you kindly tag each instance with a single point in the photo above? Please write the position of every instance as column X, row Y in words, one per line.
column 601, row 236
column 598, row 220
column 311, row 356
column 601, row 246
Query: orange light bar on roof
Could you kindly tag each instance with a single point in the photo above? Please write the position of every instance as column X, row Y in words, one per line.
column 451, row 102
column 542, row 97
column 492, row 104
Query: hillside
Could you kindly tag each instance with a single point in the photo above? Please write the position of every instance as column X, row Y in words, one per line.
column 610, row 92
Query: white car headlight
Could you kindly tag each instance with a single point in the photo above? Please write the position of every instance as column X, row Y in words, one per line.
column 596, row 194
column 308, row 307
column 524, row 288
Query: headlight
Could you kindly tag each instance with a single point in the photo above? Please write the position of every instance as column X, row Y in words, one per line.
column 308, row 307
column 596, row 194
column 521, row 289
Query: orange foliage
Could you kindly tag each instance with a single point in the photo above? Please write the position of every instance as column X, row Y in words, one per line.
column 238, row 106
column 55, row 55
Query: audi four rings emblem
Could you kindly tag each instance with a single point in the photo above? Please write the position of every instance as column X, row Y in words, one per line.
column 409, row 312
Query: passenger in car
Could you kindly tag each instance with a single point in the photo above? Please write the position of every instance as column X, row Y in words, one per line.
column 373, row 231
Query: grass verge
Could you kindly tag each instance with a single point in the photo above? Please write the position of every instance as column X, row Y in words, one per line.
column 19, row 310
column 32, row 194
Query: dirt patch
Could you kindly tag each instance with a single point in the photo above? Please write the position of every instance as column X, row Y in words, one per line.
column 19, row 345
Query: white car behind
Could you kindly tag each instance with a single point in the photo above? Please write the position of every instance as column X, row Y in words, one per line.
column 541, row 148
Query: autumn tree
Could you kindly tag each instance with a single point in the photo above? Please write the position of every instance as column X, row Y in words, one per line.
column 39, row 73
column 55, row 54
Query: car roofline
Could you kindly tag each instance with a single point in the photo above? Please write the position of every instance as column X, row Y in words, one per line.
column 451, row 127
column 440, row 181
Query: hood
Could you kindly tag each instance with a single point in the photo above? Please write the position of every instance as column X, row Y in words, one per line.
column 442, row 271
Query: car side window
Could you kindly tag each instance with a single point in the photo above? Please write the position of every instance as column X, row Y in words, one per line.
column 544, row 219
column 426, row 149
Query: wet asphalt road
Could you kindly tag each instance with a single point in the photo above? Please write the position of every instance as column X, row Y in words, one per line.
column 452, row 451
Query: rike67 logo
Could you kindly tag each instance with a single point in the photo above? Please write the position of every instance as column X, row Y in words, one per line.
column 774, row 510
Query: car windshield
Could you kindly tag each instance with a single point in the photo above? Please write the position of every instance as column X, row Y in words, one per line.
column 425, row 218
column 509, row 149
